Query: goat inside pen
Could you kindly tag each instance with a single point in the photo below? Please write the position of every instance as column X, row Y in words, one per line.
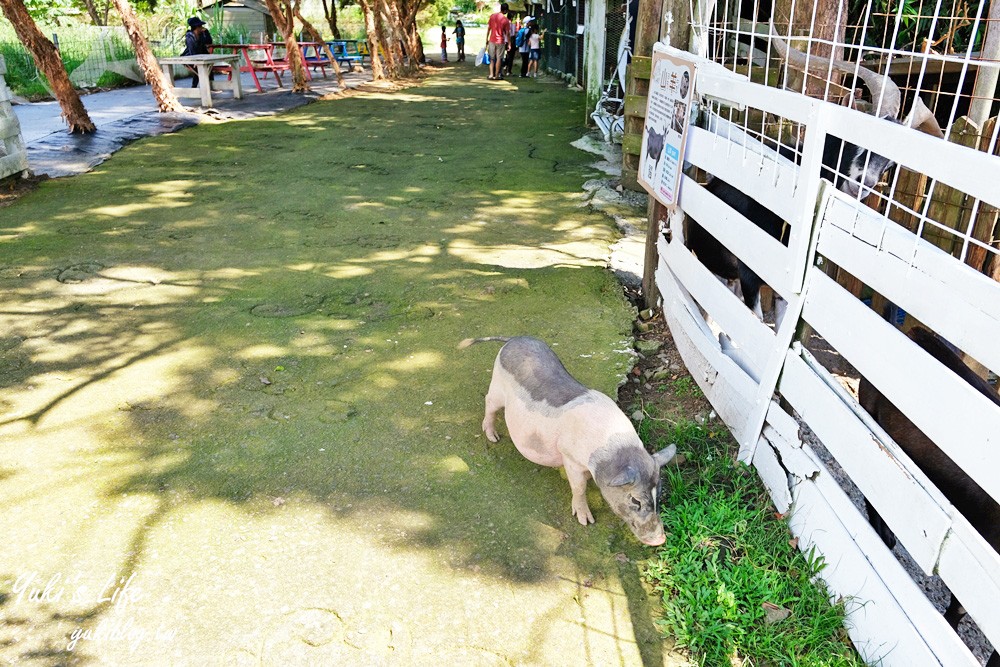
column 953, row 197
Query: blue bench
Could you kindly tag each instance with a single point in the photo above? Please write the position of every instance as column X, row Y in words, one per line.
column 346, row 52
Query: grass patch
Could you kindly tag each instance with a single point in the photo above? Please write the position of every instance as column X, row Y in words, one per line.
column 76, row 44
column 685, row 386
column 728, row 556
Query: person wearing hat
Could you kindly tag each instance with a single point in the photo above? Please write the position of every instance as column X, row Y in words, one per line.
column 196, row 42
column 521, row 41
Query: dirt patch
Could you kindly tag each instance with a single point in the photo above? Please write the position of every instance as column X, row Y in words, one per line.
column 13, row 187
column 660, row 378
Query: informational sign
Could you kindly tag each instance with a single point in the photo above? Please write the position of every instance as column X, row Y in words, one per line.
column 671, row 88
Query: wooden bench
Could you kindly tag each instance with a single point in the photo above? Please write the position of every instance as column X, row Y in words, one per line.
column 346, row 51
column 318, row 57
column 204, row 65
column 257, row 58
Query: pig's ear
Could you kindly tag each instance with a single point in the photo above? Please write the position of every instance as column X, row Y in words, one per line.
column 627, row 477
column 663, row 456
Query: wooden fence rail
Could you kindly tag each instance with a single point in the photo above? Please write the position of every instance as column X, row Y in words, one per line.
column 765, row 383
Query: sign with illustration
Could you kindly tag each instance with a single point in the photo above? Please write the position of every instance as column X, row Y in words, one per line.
column 661, row 158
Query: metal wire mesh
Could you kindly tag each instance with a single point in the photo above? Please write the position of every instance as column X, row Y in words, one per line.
column 941, row 54
column 944, row 54
column 615, row 26
column 560, row 44
column 94, row 57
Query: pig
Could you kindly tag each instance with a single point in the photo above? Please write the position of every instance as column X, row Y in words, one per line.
column 556, row 421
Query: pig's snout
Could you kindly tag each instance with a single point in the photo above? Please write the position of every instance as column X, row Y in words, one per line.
column 651, row 536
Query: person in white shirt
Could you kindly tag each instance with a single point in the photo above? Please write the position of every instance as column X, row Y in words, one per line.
column 522, row 48
column 534, row 50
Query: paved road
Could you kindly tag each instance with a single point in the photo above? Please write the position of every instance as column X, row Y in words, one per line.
column 128, row 114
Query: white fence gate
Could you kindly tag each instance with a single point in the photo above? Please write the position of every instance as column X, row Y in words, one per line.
column 13, row 157
column 755, row 382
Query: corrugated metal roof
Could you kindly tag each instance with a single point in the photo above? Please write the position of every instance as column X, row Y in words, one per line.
column 255, row 5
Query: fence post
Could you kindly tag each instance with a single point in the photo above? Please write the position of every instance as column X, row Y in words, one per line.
column 988, row 72
column 647, row 31
column 594, row 39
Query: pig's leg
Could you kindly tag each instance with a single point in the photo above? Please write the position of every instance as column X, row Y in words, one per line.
column 494, row 402
column 578, row 483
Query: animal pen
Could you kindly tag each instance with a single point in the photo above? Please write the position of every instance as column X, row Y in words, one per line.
column 909, row 95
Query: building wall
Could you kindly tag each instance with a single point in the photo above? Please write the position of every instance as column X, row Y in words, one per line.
column 252, row 20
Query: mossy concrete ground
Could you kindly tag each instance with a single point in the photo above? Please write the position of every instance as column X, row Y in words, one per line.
column 235, row 428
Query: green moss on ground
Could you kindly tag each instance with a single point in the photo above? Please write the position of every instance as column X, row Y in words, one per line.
column 228, row 368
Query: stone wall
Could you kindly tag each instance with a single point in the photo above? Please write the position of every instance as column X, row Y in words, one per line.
column 13, row 157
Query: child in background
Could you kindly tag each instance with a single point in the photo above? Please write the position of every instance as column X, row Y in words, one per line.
column 444, row 45
column 460, row 40
column 534, row 50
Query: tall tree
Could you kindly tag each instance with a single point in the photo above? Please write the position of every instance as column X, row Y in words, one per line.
column 165, row 98
column 97, row 10
column 283, row 12
column 408, row 12
column 390, row 38
column 49, row 62
column 374, row 42
column 318, row 38
column 330, row 12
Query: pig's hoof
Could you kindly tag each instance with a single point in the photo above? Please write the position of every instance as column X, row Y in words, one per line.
column 491, row 433
column 583, row 516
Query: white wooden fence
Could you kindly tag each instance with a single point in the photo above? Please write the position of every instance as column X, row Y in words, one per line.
column 13, row 158
column 889, row 617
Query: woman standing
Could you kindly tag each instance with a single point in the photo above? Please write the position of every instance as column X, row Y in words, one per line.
column 460, row 40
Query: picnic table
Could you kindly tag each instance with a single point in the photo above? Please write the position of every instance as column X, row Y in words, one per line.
column 270, row 57
column 204, row 64
column 346, row 51
column 315, row 56
column 256, row 58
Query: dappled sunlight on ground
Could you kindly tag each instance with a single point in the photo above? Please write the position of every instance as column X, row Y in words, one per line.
column 234, row 391
column 519, row 257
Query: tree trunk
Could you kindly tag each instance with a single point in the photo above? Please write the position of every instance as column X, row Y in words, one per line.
column 374, row 43
column 318, row 38
column 92, row 12
column 415, row 44
column 408, row 19
column 391, row 38
column 284, row 19
column 392, row 64
column 330, row 11
column 647, row 31
column 50, row 64
column 165, row 98
column 403, row 35
column 824, row 26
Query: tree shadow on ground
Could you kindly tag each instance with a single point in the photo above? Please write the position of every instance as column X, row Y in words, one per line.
column 265, row 314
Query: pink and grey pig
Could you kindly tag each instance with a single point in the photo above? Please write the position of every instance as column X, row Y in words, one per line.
column 556, row 421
